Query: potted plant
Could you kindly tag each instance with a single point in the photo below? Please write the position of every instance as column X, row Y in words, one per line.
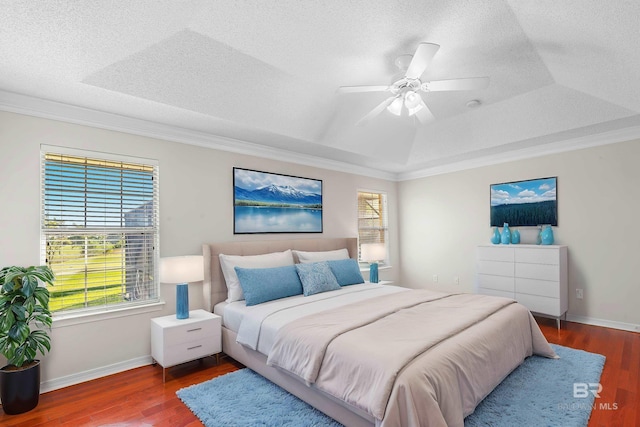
column 24, row 312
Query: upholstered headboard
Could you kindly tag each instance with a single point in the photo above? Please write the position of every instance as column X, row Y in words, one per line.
column 214, row 286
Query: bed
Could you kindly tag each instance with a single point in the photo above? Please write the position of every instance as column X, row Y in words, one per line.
column 360, row 363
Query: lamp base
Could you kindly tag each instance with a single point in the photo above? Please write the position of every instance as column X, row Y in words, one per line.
column 182, row 301
column 373, row 272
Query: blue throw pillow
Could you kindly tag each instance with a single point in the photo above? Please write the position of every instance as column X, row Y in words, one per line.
column 347, row 271
column 267, row 284
column 316, row 277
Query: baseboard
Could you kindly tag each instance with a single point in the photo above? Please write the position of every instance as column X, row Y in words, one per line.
column 93, row 374
column 603, row 322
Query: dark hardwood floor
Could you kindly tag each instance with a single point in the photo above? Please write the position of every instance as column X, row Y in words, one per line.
column 139, row 398
column 619, row 401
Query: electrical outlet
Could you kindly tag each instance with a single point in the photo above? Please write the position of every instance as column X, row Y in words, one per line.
column 435, row 278
column 456, row 280
column 579, row 293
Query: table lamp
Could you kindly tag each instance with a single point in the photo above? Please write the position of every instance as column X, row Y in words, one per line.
column 181, row 270
column 372, row 253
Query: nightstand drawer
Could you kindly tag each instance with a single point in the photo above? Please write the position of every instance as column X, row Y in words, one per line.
column 187, row 351
column 189, row 332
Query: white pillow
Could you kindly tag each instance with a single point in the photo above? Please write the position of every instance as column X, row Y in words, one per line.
column 229, row 262
column 309, row 257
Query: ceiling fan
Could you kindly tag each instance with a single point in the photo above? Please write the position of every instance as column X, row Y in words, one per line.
column 405, row 92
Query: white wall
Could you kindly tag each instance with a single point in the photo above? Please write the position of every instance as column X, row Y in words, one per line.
column 443, row 218
column 195, row 207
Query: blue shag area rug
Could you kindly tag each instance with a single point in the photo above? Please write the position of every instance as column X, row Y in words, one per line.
column 539, row 392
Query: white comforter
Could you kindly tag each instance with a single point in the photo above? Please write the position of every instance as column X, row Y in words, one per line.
column 260, row 323
column 415, row 358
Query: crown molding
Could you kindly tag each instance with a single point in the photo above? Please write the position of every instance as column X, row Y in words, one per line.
column 53, row 110
column 571, row 144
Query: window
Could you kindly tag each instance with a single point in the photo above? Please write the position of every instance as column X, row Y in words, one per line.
column 372, row 219
column 99, row 229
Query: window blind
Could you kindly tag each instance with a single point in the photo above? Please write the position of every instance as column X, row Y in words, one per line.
column 372, row 218
column 99, row 230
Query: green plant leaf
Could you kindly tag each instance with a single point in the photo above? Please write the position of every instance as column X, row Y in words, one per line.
column 19, row 331
column 19, row 311
column 42, row 295
column 23, row 303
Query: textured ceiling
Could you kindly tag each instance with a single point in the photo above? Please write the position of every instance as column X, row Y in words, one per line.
column 264, row 73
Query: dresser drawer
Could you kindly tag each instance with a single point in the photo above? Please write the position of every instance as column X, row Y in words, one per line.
column 498, row 283
column 495, row 253
column 538, row 287
column 538, row 255
column 184, row 352
column 495, row 268
column 496, row 293
column 538, row 271
column 542, row 305
column 189, row 332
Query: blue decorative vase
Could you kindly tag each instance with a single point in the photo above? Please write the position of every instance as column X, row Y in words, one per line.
column 505, row 237
column 182, row 301
column 495, row 239
column 546, row 236
column 515, row 237
column 373, row 272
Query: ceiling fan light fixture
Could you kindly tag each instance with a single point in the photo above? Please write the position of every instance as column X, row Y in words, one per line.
column 415, row 109
column 412, row 100
column 396, row 106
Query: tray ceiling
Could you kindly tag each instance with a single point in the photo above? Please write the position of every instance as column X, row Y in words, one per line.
column 264, row 74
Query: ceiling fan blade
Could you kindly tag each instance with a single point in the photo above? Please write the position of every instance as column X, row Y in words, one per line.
column 424, row 114
column 473, row 83
column 421, row 59
column 356, row 89
column 379, row 109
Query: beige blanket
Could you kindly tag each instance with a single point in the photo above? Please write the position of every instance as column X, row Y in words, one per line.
column 413, row 358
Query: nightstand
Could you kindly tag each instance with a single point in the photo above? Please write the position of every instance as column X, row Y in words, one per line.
column 175, row 341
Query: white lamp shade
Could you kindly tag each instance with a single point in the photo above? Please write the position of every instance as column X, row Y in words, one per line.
column 395, row 107
column 373, row 251
column 412, row 100
column 182, row 269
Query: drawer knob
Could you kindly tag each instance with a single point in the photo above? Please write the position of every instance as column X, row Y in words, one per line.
column 193, row 330
column 193, row 348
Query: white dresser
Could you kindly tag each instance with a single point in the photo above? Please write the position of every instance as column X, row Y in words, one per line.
column 533, row 275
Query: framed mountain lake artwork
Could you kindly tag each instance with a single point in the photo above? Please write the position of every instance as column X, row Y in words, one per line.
column 265, row 202
column 525, row 203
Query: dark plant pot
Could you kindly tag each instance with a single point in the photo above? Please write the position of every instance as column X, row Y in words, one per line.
column 20, row 388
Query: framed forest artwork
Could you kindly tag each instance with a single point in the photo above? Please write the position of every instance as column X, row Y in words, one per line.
column 525, row 203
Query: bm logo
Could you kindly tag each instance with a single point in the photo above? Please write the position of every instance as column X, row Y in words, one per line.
column 582, row 390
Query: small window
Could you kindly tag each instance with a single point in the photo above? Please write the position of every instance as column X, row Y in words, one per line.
column 372, row 220
column 99, row 229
